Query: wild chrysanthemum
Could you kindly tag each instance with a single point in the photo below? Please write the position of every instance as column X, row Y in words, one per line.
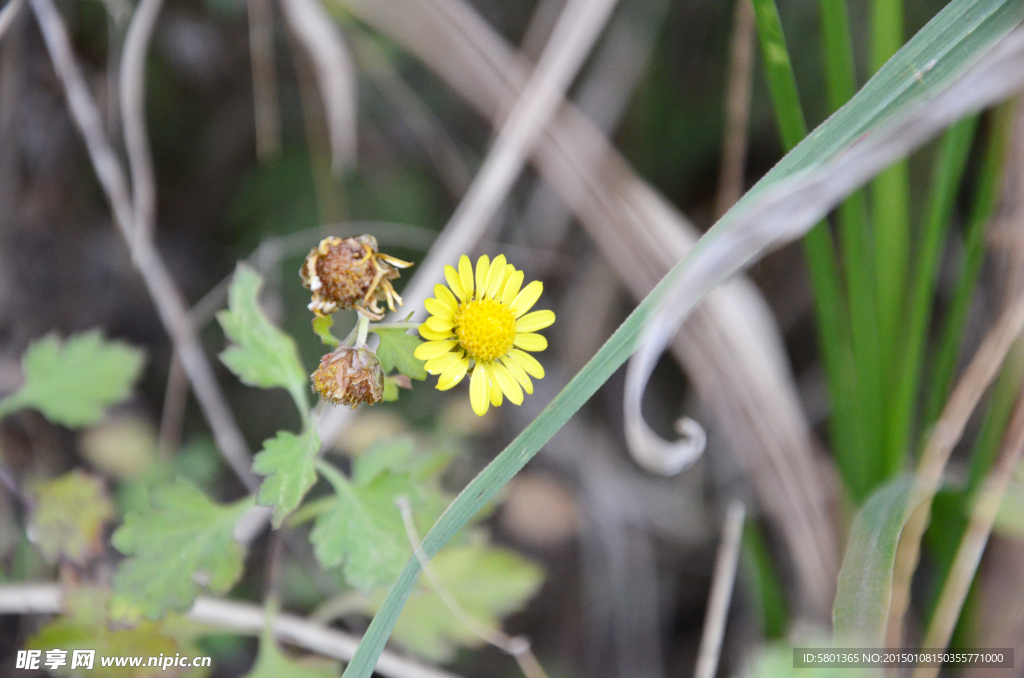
column 481, row 327
column 351, row 273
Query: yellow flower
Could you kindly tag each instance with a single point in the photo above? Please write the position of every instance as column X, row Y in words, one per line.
column 481, row 327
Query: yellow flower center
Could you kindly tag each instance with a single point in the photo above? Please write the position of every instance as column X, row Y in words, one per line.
column 485, row 328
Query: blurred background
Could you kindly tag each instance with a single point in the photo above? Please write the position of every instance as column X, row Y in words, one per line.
column 246, row 159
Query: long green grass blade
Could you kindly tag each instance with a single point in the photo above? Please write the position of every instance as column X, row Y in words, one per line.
column 949, row 170
column 829, row 303
column 890, row 202
column 985, row 200
column 859, row 269
column 952, row 42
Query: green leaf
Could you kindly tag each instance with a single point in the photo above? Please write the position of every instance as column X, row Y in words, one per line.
column 272, row 663
column 263, row 356
column 363, row 531
column 489, row 583
column 86, row 626
column 390, row 390
column 73, row 383
column 814, row 176
column 864, row 589
column 394, row 454
column 287, row 461
column 322, row 328
column 68, row 517
column 396, row 350
column 180, row 544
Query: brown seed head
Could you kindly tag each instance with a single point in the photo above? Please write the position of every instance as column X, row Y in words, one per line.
column 349, row 376
column 351, row 273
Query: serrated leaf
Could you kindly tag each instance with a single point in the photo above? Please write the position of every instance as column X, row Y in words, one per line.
column 263, row 355
column 68, row 516
column 74, row 382
column 489, row 583
column 287, row 461
column 322, row 328
column 86, row 627
column 179, row 545
column 363, row 530
column 396, row 351
column 272, row 663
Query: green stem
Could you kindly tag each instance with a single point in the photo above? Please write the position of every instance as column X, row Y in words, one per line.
column 361, row 330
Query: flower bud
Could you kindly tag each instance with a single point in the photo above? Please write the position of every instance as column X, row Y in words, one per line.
column 351, row 273
column 349, row 376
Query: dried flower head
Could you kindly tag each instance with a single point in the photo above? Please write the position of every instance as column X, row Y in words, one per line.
column 349, row 376
column 481, row 327
column 351, row 273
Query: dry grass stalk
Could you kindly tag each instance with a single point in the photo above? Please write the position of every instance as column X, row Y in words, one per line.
column 737, row 108
column 968, row 555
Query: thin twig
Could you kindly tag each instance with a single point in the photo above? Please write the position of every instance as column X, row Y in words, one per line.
column 737, row 108
column 8, row 14
column 944, row 436
column 518, row 647
column 264, row 79
column 133, row 115
column 241, row 618
column 968, row 555
column 172, row 419
column 159, row 283
column 721, row 591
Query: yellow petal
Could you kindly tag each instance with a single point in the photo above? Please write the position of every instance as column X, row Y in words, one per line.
column 508, row 385
column 466, row 276
column 527, row 362
column 438, row 365
column 453, row 374
column 479, row 391
column 433, row 335
column 529, row 341
column 440, row 324
column 538, row 320
column 517, row 372
column 512, row 286
column 482, row 266
column 444, row 295
column 439, row 308
column 455, row 282
column 429, row 350
column 495, row 390
column 495, row 275
column 527, row 298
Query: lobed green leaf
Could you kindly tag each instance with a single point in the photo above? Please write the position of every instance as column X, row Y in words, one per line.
column 179, row 545
column 287, row 461
column 396, row 351
column 74, row 382
column 263, row 355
